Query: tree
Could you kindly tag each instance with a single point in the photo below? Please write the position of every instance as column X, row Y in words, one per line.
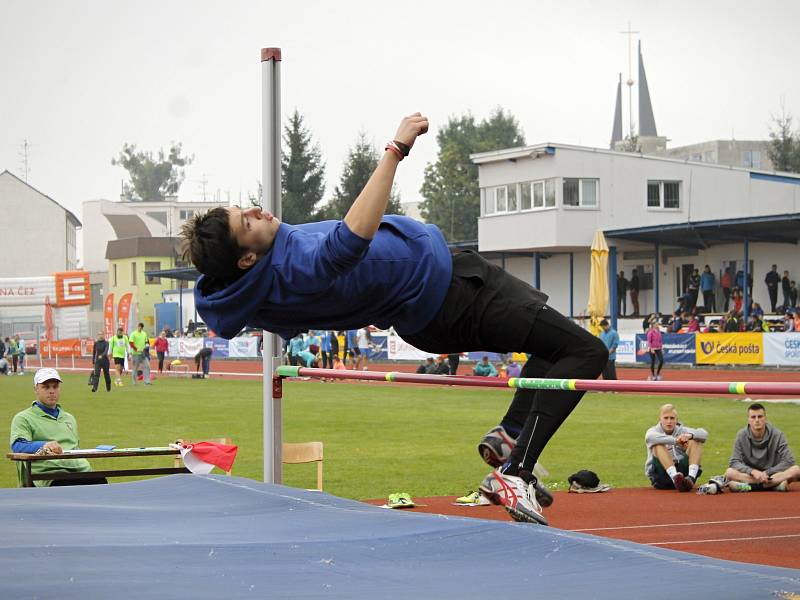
column 784, row 145
column 451, row 198
column 302, row 173
column 152, row 179
column 361, row 162
column 629, row 144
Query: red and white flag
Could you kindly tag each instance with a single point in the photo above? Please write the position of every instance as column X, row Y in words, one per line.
column 201, row 457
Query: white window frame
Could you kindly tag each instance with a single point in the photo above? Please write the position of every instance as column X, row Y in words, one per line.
column 661, row 206
column 581, row 205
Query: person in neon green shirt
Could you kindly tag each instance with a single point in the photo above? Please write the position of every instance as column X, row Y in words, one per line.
column 139, row 341
column 119, row 350
column 46, row 428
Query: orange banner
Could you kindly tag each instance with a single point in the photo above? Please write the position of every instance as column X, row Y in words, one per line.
column 108, row 316
column 72, row 288
column 124, row 311
column 67, row 347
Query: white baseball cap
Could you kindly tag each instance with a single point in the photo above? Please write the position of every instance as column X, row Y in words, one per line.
column 46, row 374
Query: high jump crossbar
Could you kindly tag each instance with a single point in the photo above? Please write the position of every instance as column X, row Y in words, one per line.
column 577, row 385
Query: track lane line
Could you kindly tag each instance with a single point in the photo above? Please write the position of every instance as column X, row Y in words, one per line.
column 654, row 526
column 740, row 539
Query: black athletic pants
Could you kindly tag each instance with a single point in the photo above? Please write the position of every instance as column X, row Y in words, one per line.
column 488, row 309
column 656, row 356
column 101, row 364
column 452, row 361
column 327, row 359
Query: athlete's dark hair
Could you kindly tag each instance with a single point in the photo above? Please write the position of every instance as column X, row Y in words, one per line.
column 210, row 246
column 756, row 406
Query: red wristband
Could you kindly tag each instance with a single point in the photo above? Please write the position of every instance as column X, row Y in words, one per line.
column 395, row 148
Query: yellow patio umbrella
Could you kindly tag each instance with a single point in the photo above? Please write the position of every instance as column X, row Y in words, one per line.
column 598, row 282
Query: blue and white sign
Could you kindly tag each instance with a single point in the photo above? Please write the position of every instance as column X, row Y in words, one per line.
column 782, row 349
column 678, row 348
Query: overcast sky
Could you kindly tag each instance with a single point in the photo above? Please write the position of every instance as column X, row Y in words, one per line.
column 80, row 78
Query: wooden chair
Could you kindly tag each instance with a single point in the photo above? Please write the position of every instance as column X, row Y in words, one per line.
column 307, row 452
column 216, row 440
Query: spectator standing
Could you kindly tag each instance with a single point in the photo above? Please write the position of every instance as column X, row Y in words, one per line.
column 100, row 361
column 12, row 351
column 610, row 338
column 792, row 294
column 325, row 349
column 485, row 368
column 363, row 339
column 761, row 458
column 738, row 300
column 21, row 354
column 119, row 350
column 351, row 340
column 694, row 289
column 786, row 286
column 707, row 282
column 139, row 340
column 162, row 347
column 633, row 288
column 772, row 280
column 296, row 345
column 452, row 362
column 655, row 344
column 3, row 349
column 725, row 283
column 622, row 294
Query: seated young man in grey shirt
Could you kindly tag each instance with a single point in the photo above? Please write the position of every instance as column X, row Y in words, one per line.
column 674, row 452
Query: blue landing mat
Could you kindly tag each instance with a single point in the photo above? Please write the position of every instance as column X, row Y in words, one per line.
column 222, row 538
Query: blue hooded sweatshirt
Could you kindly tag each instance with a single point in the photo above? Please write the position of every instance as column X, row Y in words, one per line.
column 323, row 276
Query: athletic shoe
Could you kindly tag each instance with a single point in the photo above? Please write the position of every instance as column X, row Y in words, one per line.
column 679, row 480
column 516, row 496
column 472, row 499
column 687, row 485
column 738, row 486
column 707, row 489
column 715, row 485
column 495, row 447
column 781, row 487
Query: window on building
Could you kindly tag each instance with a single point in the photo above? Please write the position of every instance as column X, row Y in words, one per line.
column 487, row 202
column 96, row 290
column 580, row 193
column 512, row 197
column 710, row 156
column 697, row 157
column 152, row 266
column 114, row 275
column 500, row 199
column 549, row 193
column 664, row 194
column 538, row 194
column 525, row 201
column 133, row 273
column 751, row 159
column 186, row 214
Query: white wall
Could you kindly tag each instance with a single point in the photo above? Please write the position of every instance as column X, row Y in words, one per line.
column 33, row 230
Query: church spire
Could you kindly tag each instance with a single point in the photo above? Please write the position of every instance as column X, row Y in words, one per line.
column 647, row 122
column 616, row 132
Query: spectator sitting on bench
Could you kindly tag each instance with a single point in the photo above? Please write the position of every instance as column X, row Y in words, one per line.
column 45, row 428
column 485, row 368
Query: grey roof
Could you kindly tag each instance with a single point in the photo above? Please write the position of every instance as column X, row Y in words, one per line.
column 647, row 122
column 616, row 132
column 70, row 216
column 141, row 246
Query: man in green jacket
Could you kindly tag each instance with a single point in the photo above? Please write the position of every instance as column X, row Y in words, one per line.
column 141, row 360
column 45, row 428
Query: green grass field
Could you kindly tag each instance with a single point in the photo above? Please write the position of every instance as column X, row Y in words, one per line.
column 380, row 438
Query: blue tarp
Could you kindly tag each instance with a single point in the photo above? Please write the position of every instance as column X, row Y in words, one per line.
column 215, row 537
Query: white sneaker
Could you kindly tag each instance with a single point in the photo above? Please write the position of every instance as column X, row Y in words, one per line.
column 516, row 496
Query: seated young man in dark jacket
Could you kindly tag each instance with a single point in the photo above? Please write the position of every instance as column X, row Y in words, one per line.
column 394, row 271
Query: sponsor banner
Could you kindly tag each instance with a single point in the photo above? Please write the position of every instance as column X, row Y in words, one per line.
column 108, row 316
column 626, row 349
column 243, row 347
column 189, row 346
column 398, row 349
column 219, row 346
column 124, row 311
column 66, row 347
column 26, row 291
column 730, row 348
column 72, row 288
column 49, row 321
column 678, row 348
column 174, row 347
column 782, row 349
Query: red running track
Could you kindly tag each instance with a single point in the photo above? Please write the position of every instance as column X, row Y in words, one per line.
column 756, row 527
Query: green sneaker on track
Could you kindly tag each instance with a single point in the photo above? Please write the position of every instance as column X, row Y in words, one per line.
column 738, row 486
